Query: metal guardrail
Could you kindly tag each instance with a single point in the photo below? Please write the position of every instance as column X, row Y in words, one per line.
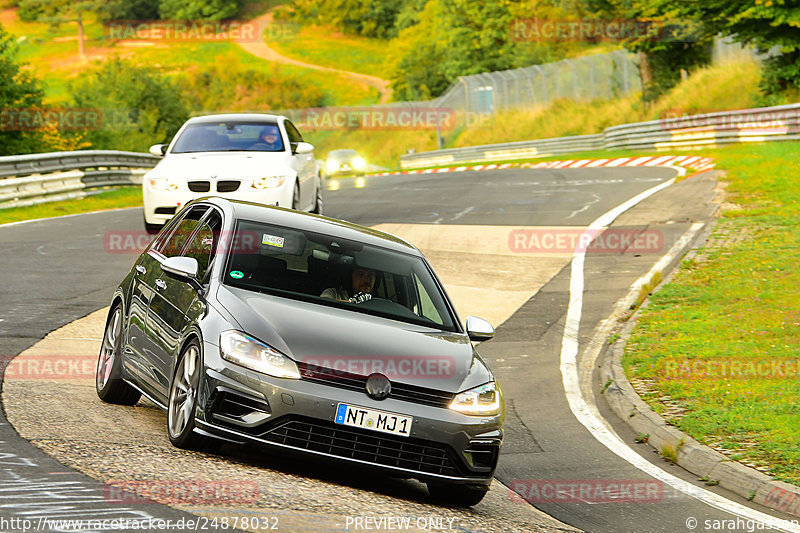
column 505, row 151
column 706, row 130
column 38, row 178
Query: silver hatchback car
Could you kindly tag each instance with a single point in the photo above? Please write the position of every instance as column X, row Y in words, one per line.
column 258, row 324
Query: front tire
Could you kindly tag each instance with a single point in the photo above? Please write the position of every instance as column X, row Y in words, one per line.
column 152, row 229
column 108, row 376
column 459, row 495
column 296, row 197
column 318, row 205
column 183, row 399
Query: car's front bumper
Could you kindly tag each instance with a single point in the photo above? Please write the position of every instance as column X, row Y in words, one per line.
column 160, row 206
column 444, row 445
column 345, row 169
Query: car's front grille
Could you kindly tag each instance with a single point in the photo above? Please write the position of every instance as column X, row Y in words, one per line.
column 199, row 186
column 227, row 186
column 353, row 443
column 355, row 382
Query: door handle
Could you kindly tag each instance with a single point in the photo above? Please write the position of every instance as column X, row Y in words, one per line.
column 141, row 270
column 161, row 284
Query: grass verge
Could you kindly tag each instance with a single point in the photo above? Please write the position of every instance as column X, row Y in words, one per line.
column 108, row 199
column 720, row 341
column 328, row 48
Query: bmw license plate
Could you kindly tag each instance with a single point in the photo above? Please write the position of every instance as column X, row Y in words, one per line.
column 361, row 417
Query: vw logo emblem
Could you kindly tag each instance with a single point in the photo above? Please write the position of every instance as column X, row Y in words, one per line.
column 378, row 386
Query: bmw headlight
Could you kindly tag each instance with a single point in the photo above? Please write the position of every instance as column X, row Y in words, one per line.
column 480, row 401
column 359, row 163
column 271, row 182
column 332, row 165
column 162, row 184
column 244, row 350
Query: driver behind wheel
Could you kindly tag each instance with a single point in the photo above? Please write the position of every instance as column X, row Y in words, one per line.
column 362, row 281
column 268, row 140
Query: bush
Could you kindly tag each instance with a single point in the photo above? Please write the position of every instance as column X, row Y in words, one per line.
column 781, row 73
column 230, row 86
column 140, row 106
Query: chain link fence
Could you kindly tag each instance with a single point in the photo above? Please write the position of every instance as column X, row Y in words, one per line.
column 472, row 98
column 584, row 78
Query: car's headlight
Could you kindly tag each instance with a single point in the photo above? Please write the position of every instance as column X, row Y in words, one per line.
column 162, row 184
column 359, row 163
column 480, row 401
column 246, row 351
column 332, row 165
column 271, row 182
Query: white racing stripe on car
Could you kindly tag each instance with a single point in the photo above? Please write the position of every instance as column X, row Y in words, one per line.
column 588, row 415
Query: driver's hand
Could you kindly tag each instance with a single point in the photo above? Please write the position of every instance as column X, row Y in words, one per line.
column 361, row 297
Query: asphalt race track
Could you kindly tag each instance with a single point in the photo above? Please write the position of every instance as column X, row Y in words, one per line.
column 58, row 270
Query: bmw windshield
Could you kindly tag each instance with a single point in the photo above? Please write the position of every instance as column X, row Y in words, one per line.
column 229, row 137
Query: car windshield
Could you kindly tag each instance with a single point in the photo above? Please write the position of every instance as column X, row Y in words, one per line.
column 229, row 137
column 342, row 154
column 324, row 269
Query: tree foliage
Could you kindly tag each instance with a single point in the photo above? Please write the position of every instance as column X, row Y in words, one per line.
column 763, row 23
column 56, row 11
column 129, row 10
column 451, row 38
column 676, row 43
column 199, row 9
column 139, row 106
column 19, row 90
column 375, row 18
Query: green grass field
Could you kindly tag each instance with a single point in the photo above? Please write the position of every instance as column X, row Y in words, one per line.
column 107, row 199
column 324, row 46
column 719, row 342
column 52, row 54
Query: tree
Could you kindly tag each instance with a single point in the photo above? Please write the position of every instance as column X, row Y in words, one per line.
column 19, row 90
column 452, row 38
column 57, row 12
column 139, row 106
column 674, row 44
column 763, row 23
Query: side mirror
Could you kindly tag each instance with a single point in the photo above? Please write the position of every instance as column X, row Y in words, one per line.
column 304, row 148
column 158, row 150
column 478, row 329
column 183, row 269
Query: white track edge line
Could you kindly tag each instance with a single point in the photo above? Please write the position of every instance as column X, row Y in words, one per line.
column 19, row 222
column 590, row 418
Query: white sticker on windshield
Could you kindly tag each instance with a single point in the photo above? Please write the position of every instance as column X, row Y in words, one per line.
column 272, row 240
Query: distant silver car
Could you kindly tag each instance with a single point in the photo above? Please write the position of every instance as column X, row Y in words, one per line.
column 259, row 324
column 252, row 157
column 345, row 161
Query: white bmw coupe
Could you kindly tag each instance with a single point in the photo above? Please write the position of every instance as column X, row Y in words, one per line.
column 252, row 157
